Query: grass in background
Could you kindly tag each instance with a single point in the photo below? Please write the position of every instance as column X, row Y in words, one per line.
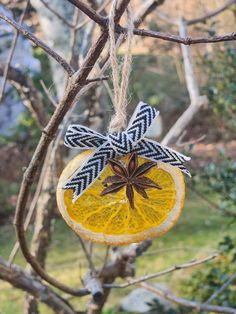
column 196, row 235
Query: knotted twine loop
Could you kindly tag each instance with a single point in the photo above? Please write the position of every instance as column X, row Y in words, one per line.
column 119, row 120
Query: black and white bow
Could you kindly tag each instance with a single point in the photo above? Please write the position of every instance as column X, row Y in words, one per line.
column 115, row 145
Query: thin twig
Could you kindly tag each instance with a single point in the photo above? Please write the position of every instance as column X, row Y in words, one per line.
column 91, row 245
column 164, row 272
column 106, row 256
column 45, row 89
column 12, row 50
column 32, row 204
column 212, row 204
column 186, row 303
column 91, row 13
column 106, row 85
column 73, row 36
column 178, row 39
column 212, row 13
column 221, row 289
column 38, row 42
column 196, row 100
column 165, row 17
column 88, row 257
column 60, row 17
column 87, row 20
column 147, row 8
column 31, row 97
column 97, row 79
column 181, row 143
column 174, row 249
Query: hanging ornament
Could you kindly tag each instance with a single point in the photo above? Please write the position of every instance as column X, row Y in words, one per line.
column 123, row 187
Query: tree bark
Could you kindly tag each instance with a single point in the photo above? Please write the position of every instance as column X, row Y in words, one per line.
column 22, row 280
column 197, row 101
column 42, row 232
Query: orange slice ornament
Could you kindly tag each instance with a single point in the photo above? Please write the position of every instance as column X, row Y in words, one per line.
column 129, row 188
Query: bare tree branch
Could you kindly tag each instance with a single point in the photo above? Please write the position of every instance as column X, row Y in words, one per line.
column 165, row 17
column 73, row 55
column 106, row 256
column 212, row 13
column 162, row 273
column 194, row 141
column 11, row 53
column 190, row 78
column 21, row 280
column 121, row 265
column 186, row 303
column 148, row 7
column 47, row 92
column 29, row 94
column 179, row 39
column 88, row 256
column 33, row 204
column 221, row 289
column 197, row 101
column 14, row 75
column 38, row 42
column 102, row 7
column 92, row 14
column 43, row 223
column 60, row 17
column 97, row 79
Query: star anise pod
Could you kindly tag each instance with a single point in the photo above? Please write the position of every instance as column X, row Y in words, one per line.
column 131, row 177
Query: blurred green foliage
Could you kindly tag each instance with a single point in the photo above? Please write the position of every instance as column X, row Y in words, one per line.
column 221, row 179
column 7, row 190
column 221, row 85
column 154, row 79
column 46, row 76
column 203, row 283
column 26, row 132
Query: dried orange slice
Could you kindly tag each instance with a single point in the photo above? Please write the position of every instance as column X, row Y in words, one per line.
column 110, row 218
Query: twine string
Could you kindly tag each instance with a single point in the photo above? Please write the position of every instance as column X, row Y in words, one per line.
column 119, row 120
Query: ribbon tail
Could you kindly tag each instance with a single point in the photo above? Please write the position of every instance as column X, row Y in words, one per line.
column 89, row 171
column 157, row 152
column 142, row 119
column 78, row 136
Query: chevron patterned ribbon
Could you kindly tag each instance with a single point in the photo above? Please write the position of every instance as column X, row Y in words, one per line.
column 115, row 145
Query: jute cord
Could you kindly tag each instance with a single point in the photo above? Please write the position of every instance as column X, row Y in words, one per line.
column 119, row 120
